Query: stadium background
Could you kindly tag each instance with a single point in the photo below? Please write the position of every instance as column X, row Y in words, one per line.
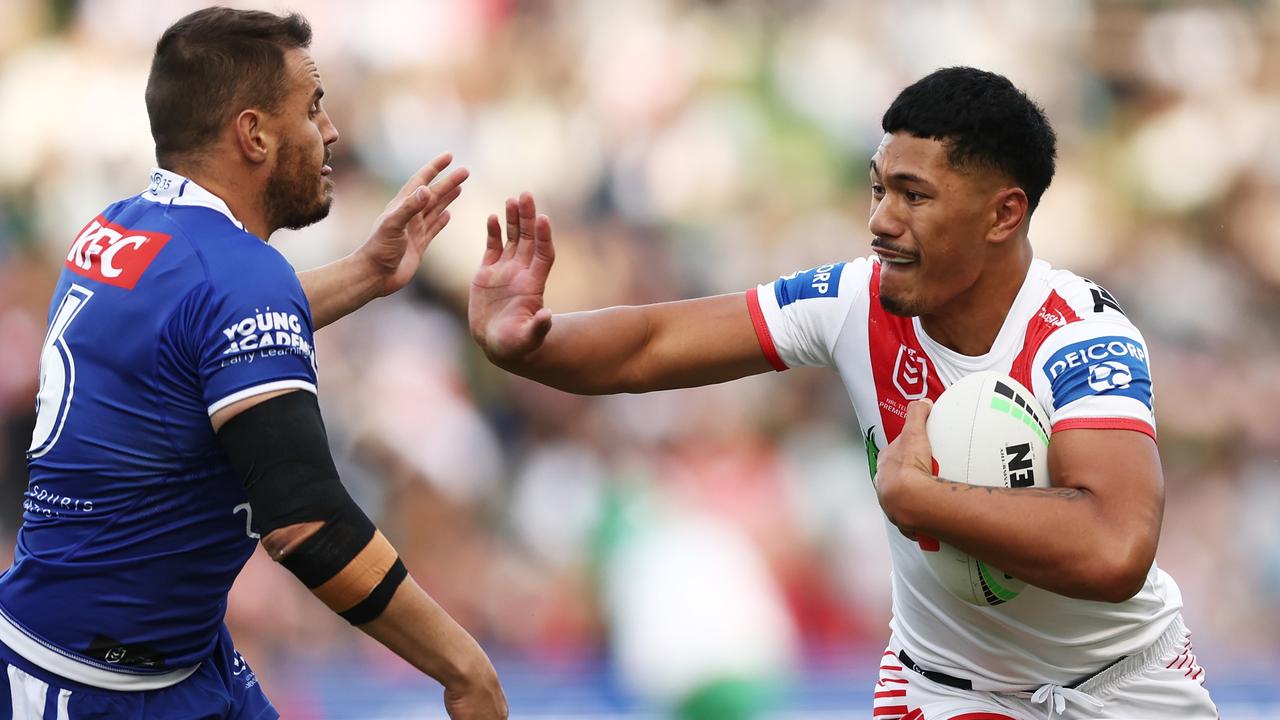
column 619, row 556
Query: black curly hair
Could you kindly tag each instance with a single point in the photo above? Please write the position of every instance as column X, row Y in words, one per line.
column 985, row 122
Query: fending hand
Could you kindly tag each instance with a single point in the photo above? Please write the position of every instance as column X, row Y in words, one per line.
column 505, row 308
column 413, row 218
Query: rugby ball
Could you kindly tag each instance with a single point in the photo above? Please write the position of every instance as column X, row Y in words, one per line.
column 985, row 429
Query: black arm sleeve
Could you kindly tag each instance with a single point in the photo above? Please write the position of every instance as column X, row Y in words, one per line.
column 281, row 452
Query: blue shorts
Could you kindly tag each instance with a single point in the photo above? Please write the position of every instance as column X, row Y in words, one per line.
column 223, row 688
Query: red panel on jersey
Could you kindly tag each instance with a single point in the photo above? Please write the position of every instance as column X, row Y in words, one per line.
column 112, row 254
column 899, row 365
column 1052, row 316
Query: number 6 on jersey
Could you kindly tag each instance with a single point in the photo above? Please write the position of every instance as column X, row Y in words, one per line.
column 57, row 374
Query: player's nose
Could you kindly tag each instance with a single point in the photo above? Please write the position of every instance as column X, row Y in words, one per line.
column 885, row 221
column 328, row 131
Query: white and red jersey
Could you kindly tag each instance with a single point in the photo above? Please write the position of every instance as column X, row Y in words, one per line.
column 1067, row 340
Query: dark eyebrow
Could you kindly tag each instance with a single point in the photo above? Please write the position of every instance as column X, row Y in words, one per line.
column 901, row 177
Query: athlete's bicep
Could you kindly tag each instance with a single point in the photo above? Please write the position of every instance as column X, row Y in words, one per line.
column 1120, row 471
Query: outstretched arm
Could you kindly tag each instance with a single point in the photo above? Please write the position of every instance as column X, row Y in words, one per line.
column 390, row 257
column 1092, row 535
column 308, row 523
column 619, row 349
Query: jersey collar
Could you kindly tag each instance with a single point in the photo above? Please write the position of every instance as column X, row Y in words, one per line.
column 1028, row 300
column 171, row 188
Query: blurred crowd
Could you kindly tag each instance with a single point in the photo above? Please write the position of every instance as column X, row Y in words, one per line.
column 683, row 148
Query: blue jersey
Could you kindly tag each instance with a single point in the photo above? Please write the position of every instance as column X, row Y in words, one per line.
column 135, row 524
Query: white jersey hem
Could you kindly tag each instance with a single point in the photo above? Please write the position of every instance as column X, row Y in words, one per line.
column 59, row 663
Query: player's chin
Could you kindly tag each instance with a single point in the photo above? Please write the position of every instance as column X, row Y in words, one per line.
column 324, row 206
column 898, row 291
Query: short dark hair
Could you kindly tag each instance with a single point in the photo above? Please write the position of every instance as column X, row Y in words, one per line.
column 210, row 65
column 985, row 121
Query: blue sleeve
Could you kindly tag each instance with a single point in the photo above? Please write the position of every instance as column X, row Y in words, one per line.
column 253, row 333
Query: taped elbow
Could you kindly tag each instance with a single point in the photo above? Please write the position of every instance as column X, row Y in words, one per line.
column 349, row 565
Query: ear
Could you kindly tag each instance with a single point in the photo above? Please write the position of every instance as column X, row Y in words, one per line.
column 253, row 139
column 1011, row 207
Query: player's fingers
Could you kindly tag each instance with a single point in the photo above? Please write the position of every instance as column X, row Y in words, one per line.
column 513, row 229
column 917, row 414
column 528, row 229
column 438, row 205
column 544, row 251
column 443, row 192
column 492, row 242
column 437, row 225
column 408, row 206
column 426, row 173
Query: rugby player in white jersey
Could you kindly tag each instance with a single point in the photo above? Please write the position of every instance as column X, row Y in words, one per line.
column 952, row 288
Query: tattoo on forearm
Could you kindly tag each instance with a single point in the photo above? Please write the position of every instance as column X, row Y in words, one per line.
column 1058, row 492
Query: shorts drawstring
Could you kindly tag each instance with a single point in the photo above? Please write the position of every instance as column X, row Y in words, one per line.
column 1057, row 696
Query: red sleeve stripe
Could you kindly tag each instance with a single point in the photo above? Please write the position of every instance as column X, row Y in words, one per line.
column 1111, row 423
column 762, row 331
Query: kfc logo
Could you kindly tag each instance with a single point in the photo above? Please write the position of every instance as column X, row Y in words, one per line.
column 112, row 254
column 911, row 373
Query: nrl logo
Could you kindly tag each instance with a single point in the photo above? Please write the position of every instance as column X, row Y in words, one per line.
column 911, row 374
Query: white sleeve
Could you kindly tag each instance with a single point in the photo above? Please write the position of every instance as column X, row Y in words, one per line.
column 799, row 317
column 1096, row 374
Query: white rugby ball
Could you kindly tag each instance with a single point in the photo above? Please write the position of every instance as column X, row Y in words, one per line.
column 986, row 429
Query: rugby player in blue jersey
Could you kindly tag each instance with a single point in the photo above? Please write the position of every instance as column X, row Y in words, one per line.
column 177, row 421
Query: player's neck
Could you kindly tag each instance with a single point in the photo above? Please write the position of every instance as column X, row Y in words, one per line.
column 243, row 195
column 970, row 322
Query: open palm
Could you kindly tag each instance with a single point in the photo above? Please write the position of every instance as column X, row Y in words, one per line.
column 506, row 311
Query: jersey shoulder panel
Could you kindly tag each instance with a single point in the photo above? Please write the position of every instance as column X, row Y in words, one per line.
column 1085, row 297
column 249, row 329
column 1094, row 371
column 801, row 315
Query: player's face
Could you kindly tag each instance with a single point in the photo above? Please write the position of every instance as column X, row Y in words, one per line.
column 927, row 224
column 299, row 190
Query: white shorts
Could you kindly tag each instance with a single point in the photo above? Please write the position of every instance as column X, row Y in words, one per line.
column 1164, row 681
